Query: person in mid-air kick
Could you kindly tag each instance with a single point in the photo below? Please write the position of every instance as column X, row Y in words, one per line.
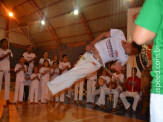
column 109, row 46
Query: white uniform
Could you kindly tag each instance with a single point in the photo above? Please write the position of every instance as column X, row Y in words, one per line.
column 19, row 86
column 28, row 57
column 41, row 61
column 34, row 87
column 91, row 82
column 79, row 88
column 56, row 73
column 5, row 71
column 110, row 49
column 107, row 91
column 44, row 88
column 62, row 65
column 98, row 91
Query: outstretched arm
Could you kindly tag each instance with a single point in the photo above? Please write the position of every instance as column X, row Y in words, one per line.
column 98, row 38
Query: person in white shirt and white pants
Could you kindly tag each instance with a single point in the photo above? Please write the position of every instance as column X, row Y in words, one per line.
column 5, row 56
column 103, row 82
column 20, row 70
column 45, row 72
column 79, row 90
column 115, row 92
column 35, row 79
column 64, row 67
column 113, row 48
column 91, row 82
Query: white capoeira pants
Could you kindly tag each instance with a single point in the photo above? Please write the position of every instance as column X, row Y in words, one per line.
column 19, row 91
column 60, row 97
column 156, row 108
column 86, row 65
column 91, row 89
column 69, row 93
column 34, row 93
column 96, row 92
column 79, row 89
column 6, row 75
column 107, row 91
column 44, row 91
column 39, row 90
column 135, row 95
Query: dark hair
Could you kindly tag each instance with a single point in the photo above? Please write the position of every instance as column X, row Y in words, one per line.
column 21, row 57
column 2, row 40
column 134, row 69
column 64, row 56
column 55, row 62
column 57, row 59
column 29, row 45
column 139, row 47
column 27, row 64
column 46, row 61
column 55, row 55
column 45, row 52
column 34, row 68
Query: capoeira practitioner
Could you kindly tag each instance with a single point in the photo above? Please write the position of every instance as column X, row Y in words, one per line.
column 5, row 56
column 118, row 79
column 103, row 82
column 78, row 88
column 29, row 59
column 91, row 82
column 113, row 47
column 64, row 66
column 55, row 73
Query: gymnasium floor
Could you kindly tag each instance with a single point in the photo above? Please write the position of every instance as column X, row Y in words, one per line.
column 56, row 112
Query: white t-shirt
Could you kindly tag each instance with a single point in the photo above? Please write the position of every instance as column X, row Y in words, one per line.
column 107, row 80
column 35, row 83
column 20, row 76
column 121, row 77
column 42, row 61
column 28, row 57
column 5, row 63
column 46, row 77
column 110, row 49
column 56, row 73
column 62, row 65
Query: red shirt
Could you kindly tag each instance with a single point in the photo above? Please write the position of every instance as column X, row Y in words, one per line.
column 137, row 84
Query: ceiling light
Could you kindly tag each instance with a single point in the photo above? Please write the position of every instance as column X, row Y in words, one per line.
column 10, row 14
column 42, row 22
column 76, row 12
